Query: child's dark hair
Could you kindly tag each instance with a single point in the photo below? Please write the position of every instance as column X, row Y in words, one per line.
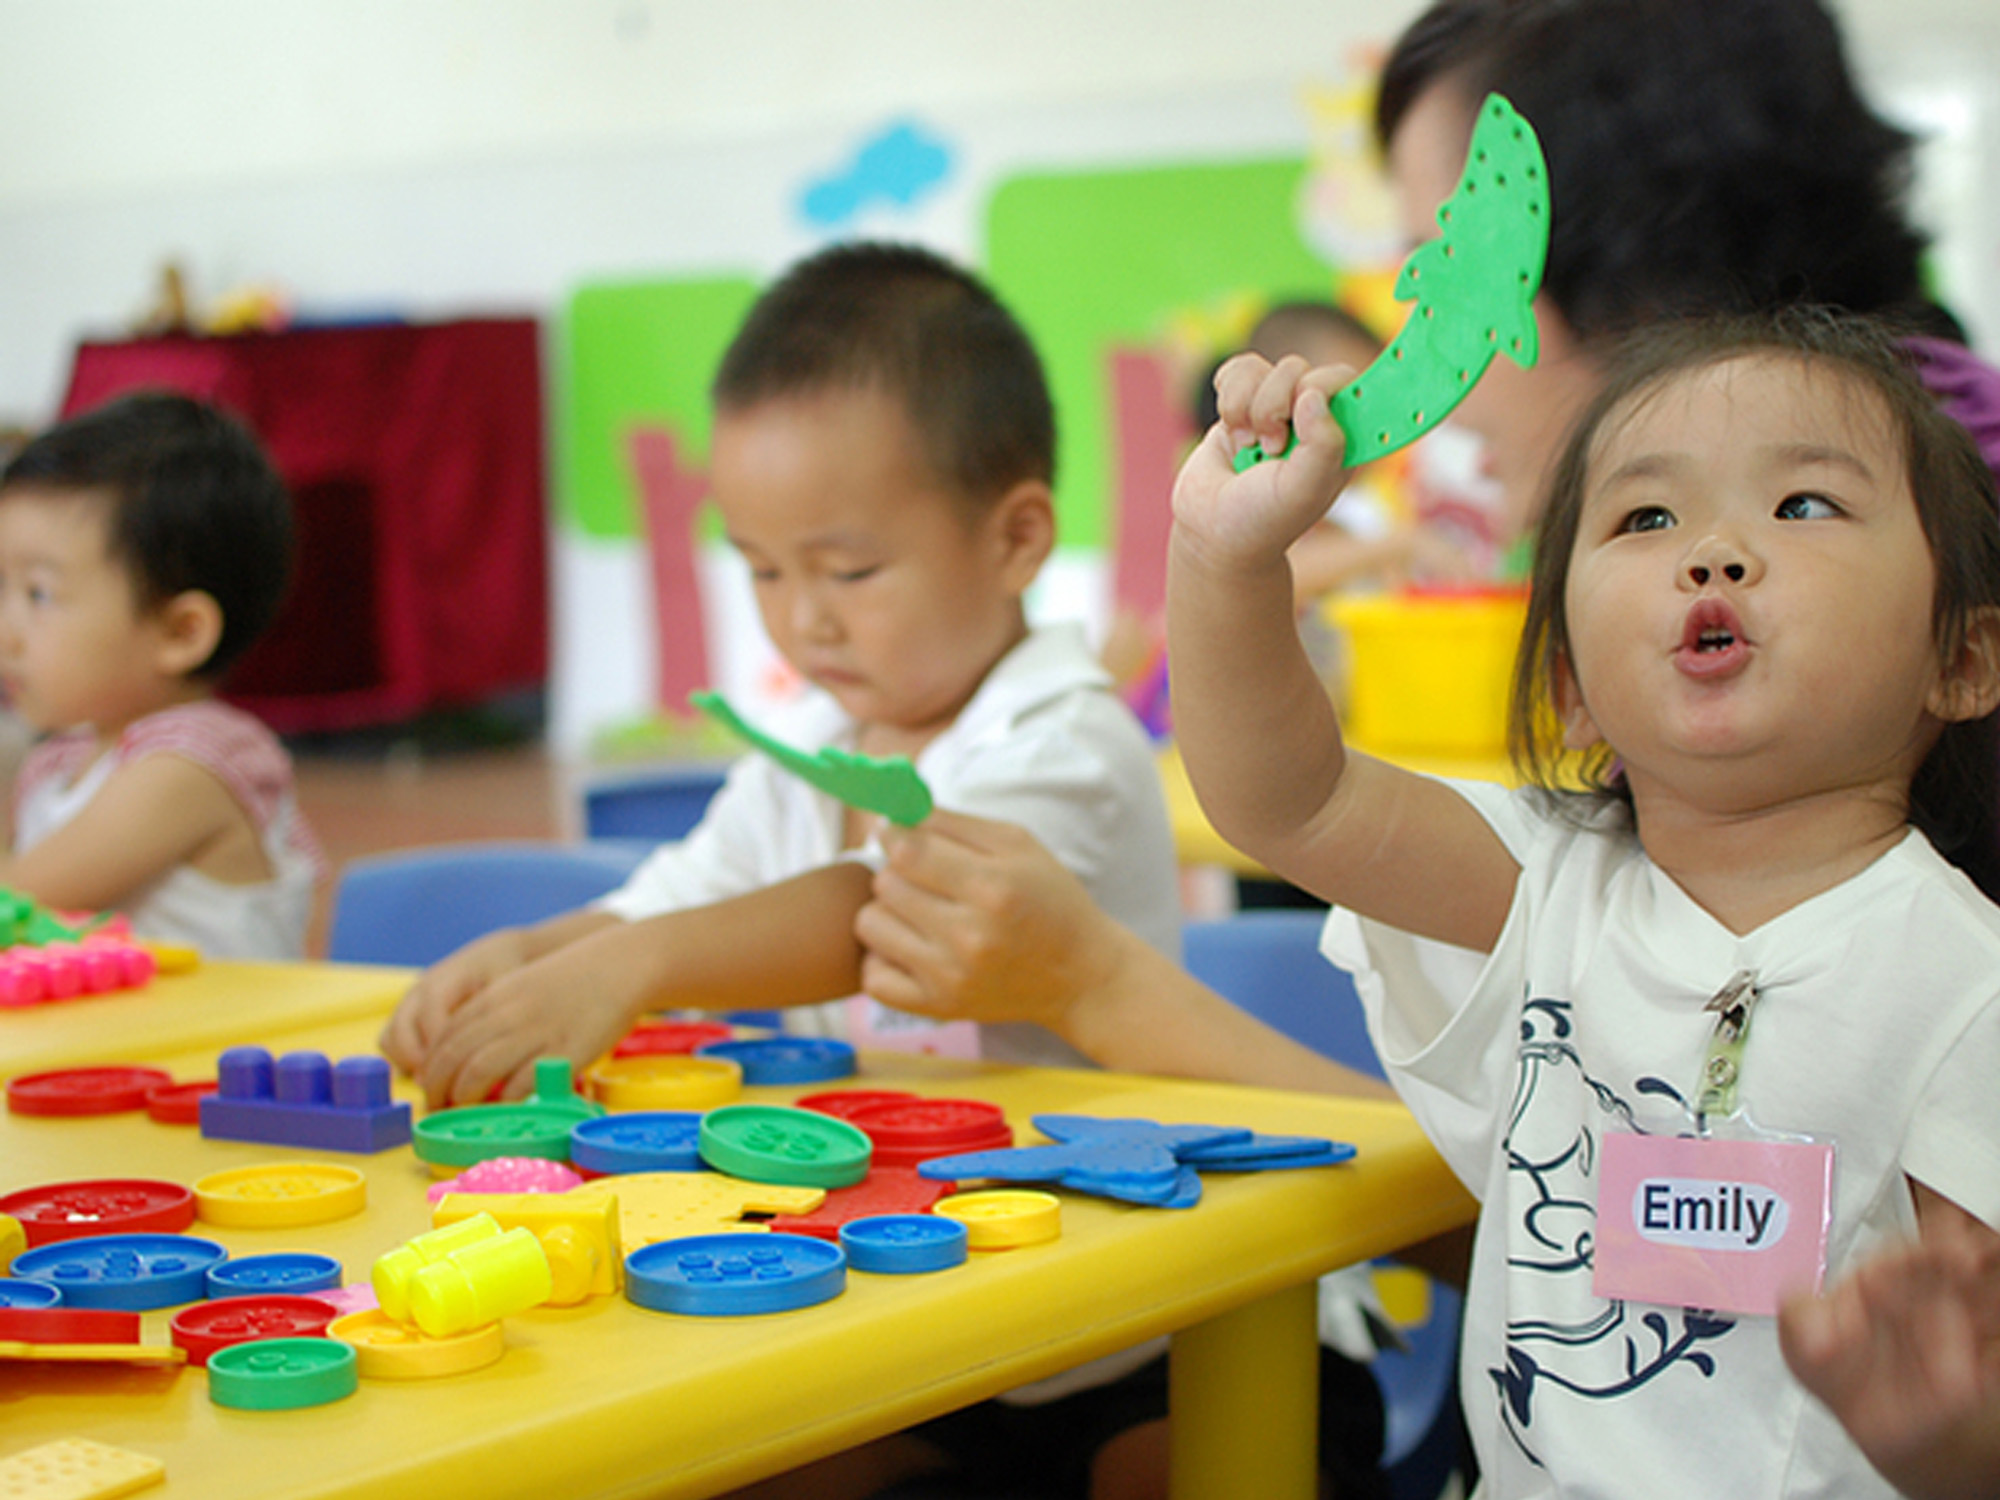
column 1704, row 155
column 194, row 504
column 909, row 324
column 1955, row 795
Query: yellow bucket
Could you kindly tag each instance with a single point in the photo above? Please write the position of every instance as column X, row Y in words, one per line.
column 1428, row 672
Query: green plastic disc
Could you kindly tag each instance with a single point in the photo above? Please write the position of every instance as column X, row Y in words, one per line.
column 478, row 1132
column 775, row 1143
column 282, row 1374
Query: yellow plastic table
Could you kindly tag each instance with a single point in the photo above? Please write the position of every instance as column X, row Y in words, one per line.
column 214, row 1005
column 609, row 1399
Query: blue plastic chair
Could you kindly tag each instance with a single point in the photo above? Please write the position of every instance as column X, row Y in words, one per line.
column 416, row 906
column 1268, row 963
column 659, row 804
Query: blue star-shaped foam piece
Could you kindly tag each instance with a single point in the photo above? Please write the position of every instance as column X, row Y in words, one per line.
column 1135, row 1161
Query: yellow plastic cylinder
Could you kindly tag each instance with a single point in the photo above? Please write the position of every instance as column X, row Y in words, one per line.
column 573, row 1264
column 481, row 1283
column 395, row 1271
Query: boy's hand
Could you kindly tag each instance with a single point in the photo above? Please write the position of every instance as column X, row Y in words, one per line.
column 1906, row 1353
column 423, row 1014
column 561, row 1005
column 975, row 920
column 1257, row 515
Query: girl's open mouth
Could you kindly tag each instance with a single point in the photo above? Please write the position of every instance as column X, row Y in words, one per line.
column 1712, row 640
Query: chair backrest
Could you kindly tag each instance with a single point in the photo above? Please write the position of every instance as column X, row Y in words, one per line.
column 1267, row 961
column 415, row 906
column 659, row 804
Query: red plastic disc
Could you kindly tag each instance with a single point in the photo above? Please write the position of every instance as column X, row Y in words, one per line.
column 909, row 1131
column 84, row 1091
column 669, row 1037
column 68, row 1325
column 842, row 1103
column 204, row 1327
column 110, row 1205
column 179, row 1103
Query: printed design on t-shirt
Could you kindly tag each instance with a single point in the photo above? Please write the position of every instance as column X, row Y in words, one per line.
column 1563, row 1342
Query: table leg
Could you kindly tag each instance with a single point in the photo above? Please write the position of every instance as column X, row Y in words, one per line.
column 1244, row 1392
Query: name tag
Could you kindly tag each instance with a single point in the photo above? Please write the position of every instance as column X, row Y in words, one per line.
column 873, row 1026
column 1724, row 1225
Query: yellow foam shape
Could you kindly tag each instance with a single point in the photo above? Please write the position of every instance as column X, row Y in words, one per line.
column 580, row 1237
column 77, row 1469
column 655, row 1206
column 95, row 1354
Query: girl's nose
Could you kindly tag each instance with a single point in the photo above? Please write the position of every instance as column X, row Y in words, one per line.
column 1716, row 558
column 811, row 620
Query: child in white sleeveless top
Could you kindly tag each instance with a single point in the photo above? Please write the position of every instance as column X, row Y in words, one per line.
column 143, row 547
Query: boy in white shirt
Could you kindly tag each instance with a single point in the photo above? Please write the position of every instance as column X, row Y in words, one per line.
column 882, row 456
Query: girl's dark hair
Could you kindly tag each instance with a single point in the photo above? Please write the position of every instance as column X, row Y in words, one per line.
column 900, row 320
column 195, row 505
column 1955, row 795
column 1704, row 155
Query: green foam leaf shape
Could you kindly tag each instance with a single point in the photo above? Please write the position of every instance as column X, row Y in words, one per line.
column 1474, row 289
column 887, row 785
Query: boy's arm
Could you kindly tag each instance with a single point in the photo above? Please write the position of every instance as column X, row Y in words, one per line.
column 975, row 920
column 787, row 944
column 1256, row 726
column 1906, row 1353
column 152, row 815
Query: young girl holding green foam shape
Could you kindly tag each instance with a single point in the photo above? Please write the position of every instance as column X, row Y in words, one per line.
column 1766, row 614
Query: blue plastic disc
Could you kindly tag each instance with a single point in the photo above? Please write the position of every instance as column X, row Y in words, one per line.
column 293, row 1271
column 18, row 1293
column 126, row 1272
column 659, row 1140
column 733, row 1275
column 903, row 1244
column 785, row 1059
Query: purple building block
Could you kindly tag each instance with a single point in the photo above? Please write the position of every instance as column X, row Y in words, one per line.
column 303, row 1100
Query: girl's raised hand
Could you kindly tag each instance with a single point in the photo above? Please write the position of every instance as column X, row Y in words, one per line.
column 1259, row 513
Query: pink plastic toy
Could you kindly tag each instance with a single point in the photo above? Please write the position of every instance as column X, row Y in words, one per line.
column 59, row 971
column 507, row 1174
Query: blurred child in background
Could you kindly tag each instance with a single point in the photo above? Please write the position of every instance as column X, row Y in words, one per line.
column 143, row 547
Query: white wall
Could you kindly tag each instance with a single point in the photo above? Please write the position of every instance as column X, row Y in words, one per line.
column 439, row 155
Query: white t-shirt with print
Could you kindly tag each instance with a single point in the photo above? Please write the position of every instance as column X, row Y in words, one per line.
column 1877, row 1028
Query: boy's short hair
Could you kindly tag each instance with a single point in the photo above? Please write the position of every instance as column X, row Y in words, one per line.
column 911, row 325
column 196, row 504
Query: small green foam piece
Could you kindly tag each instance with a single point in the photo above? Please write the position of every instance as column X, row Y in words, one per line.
column 1474, row 287
column 886, row 785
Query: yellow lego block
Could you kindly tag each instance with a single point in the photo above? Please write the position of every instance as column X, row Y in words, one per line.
column 580, row 1236
column 77, row 1469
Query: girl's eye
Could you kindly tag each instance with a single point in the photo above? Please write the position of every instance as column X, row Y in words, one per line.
column 856, row 575
column 1647, row 518
column 1806, row 508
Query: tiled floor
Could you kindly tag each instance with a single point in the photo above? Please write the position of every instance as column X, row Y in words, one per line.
column 401, row 796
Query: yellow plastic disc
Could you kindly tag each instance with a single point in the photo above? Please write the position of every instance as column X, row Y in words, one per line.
column 664, row 1081
column 280, row 1195
column 387, row 1350
column 1004, row 1218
